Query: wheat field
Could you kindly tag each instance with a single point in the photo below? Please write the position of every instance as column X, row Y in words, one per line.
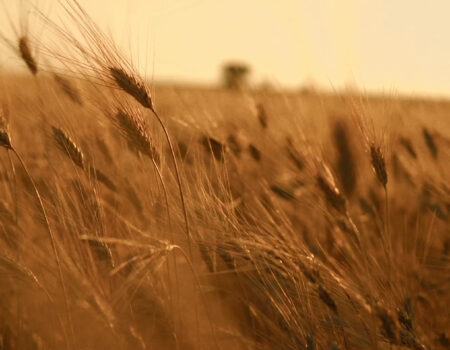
column 135, row 216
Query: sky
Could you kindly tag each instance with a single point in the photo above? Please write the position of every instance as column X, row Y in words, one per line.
column 383, row 46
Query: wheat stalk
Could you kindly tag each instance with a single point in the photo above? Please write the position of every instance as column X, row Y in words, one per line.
column 8, row 145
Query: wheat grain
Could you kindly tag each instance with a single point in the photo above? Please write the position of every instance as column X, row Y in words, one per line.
column 132, row 86
column 25, row 53
column 378, row 164
column 325, row 296
column 407, row 145
column 234, row 145
column 132, row 127
column 332, row 194
column 388, row 325
column 345, row 163
column 429, row 141
column 68, row 146
column 215, row 147
column 294, row 155
column 5, row 139
column 262, row 115
column 68, row 88
column 254, row 152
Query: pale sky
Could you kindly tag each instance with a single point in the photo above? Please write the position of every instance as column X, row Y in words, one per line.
column 382, row 45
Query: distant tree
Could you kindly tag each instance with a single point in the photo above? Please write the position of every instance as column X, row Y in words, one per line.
column 235, row 75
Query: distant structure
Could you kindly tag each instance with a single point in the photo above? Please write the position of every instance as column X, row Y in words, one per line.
column 235, row 76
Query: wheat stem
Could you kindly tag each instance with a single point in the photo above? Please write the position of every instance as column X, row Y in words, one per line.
column 16, row 204
column 177, row 174
column 53, row 243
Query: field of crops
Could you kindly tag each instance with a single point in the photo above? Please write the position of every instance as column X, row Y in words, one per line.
column 135, row 216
